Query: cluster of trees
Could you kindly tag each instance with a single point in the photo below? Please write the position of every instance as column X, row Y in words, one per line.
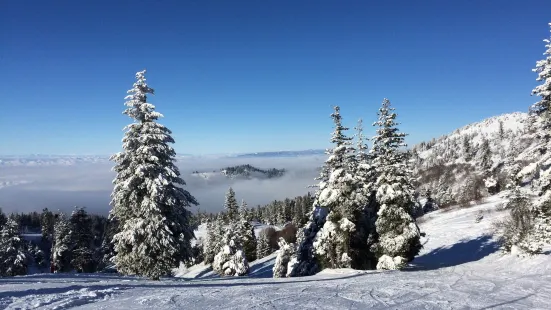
column 66, row 244
column 528, row 227
column 363, row 213
column 277, row 212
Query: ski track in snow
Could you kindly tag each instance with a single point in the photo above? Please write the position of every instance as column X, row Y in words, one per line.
column 460, row 267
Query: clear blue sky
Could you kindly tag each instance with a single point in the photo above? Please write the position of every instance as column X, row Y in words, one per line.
column 240, row 76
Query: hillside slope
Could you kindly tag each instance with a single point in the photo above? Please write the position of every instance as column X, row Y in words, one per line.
column 454, row 166
column 460, row 267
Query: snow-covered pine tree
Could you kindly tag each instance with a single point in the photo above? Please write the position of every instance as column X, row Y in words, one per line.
column 398, row 234
column 263, row 247
column 107, row 250
column 82, row 258
column 365, row 233
column 467, row 150
column 62, row 246
column 285, row 253
column 148, row 202
column 501, row 131
column 542, row 110
column 231, row 206
column 13, row 260
column 47, row 221
column 231, row 260
column 485, row 156
column 3, row 218
column 246, row 232
column 516, row 231
column 213, row 241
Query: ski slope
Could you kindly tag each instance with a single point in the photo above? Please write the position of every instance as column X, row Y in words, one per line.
column 460, row 267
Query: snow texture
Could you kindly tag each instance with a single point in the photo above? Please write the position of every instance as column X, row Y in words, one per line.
column 460, row 267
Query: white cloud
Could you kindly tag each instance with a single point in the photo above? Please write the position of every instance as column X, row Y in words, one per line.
column 62, row 187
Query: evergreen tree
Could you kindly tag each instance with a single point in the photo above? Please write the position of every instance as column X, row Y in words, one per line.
column 82, row 258
column 501, row 131
column 518, row 229
column 47, row 222
column 365, row 232
column 154, row 230
column 3, row 218
column 213, row 241
column 246, row 233
column 107, row 249
column 542, row 108
column 231, row 260
column 263, row 247
column 231, row 206
column 62, row 246
column 485, row 155
column 284, row 257
column 467, row 151
column 13, row 260
column 398, row 235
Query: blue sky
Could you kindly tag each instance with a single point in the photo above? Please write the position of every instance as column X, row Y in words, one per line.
column 241, row 76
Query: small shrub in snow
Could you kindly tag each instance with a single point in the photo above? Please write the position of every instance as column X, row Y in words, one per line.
column 391, row 263
column 479, row 216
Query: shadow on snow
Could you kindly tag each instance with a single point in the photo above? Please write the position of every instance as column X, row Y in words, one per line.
column 462, row 252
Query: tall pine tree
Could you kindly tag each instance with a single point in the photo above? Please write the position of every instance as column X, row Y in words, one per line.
column 542, row 110
column 148, row 202
column 398, row 235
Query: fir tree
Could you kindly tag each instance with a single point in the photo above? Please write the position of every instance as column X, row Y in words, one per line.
column 467, row 151
column 231, row 206
column 213, row 241
column 342, row 197
column 542, row 108
column 231, row 260
column 263, row 247
column 398, row 235
column 518, row 230
column 62, row 246
column 501, row 131
column 246, row 233
column 542, row 113
column 13, row 260
column 151, row 209
column 107, row 249
column 3, row 218
column 47, row 222
column 82, row 258
column 485, row 155
column 284, row 257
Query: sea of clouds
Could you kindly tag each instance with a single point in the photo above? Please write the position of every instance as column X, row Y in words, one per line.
column 62, row 187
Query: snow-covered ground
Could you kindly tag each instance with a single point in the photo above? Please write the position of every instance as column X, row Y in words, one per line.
column 460, row 267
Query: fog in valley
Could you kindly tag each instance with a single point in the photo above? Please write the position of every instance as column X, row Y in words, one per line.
column 61, row 187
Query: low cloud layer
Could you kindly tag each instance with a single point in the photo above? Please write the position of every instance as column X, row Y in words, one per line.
column 25, row 189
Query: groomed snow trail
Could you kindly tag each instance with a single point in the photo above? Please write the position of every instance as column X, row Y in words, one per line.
column 459, row 268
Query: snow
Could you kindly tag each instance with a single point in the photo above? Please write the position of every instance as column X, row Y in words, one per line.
column 460, row 267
